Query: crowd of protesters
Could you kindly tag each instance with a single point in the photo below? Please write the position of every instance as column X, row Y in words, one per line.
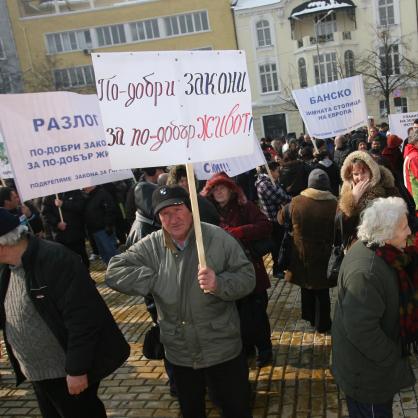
column 213, row 318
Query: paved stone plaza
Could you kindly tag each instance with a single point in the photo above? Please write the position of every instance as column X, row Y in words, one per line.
column 298, row 384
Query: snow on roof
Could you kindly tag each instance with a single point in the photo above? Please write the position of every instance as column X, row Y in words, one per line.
column 320, row 6
column 249, row 4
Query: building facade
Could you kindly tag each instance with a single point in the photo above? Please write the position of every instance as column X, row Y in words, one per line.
column 54, row 38
column 10, row 73
column 292, row 44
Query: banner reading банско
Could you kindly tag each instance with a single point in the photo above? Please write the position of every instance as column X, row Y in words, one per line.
column 333, row 108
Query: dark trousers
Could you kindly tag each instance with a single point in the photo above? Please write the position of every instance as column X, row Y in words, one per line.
column 277, row 237
column 369, row 410
column 227, row 382
column 255, row 324
column 316, row 308
column 79, row 248
column 55, row 401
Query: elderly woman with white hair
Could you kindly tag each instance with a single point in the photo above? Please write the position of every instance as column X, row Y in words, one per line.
column 375, row 324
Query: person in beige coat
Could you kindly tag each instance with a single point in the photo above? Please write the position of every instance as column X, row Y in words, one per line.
column 312, row 216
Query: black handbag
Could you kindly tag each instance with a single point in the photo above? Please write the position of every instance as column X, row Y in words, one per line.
column 337, row 251
column 152, row 348
column 285, row 251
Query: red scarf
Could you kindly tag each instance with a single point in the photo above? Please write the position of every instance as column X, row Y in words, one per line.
column 406, row 266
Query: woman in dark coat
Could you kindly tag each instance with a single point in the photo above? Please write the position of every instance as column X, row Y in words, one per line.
column 375, row 324
column 312, row 216
column 242, row 219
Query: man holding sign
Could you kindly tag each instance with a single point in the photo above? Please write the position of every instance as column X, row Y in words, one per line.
column 199, row 321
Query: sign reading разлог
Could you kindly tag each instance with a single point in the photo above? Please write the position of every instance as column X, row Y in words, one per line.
column 174, row 107
column 333, row 108
column 400, row 123
column 55, row 142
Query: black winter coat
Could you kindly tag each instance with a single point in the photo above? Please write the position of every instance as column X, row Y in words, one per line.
column 72, row 212
column 67, row 300
column 100, row 211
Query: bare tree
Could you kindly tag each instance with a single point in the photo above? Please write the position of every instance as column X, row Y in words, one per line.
column 387, row 67
column 41, row 78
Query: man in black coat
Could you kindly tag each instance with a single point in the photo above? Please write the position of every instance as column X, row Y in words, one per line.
column 69, row 230
column 58, row 331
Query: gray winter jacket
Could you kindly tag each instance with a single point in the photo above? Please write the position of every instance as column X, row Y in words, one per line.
column 197, row 329
column 366, row 350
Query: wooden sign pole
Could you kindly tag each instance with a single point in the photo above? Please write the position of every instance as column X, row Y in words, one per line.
column 59, row 208
column 196, row 215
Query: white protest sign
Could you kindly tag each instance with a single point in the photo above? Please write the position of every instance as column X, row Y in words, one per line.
column 399, row 123
column 55, row 142
column 5, row 168
column 174, row 107
column 333, row 108
column 231, row 166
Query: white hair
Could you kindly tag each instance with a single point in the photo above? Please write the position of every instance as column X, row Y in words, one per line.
column 379, row 220
column 14, row 236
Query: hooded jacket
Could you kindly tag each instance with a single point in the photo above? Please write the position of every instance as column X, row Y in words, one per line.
column 410, row 171
column 382, row 184
column 393, row 154
column 243, row 220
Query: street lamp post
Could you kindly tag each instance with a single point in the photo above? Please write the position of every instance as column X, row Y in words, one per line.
column 317, row 42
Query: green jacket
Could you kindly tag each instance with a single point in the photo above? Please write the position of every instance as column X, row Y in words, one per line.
column 197, row 329
column 366, row 351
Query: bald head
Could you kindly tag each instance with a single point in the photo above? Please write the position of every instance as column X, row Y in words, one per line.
column 340, row 141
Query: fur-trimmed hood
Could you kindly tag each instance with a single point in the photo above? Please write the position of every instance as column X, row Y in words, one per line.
column 382, row 184
column 367, row 159
column 222, row 178
column 175, row 173
column 380, row 175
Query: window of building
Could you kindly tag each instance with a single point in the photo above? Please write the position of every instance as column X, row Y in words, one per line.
column 325, row 26
column 68, row 41
column 111, row 35
column 263, row 33
column 383, row 110
column 145, row 29
column 386, row 12
column 2, row 51
column 74, row 77
column 275, row 126
column 268, row 77
column 186, row 23
column 303, row 77
column 327, row 68
column 389, row 60
column 401, row 104
column 349, row 63
column 6, row 85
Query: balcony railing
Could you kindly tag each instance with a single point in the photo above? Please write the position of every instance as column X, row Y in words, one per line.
column 329, row 37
